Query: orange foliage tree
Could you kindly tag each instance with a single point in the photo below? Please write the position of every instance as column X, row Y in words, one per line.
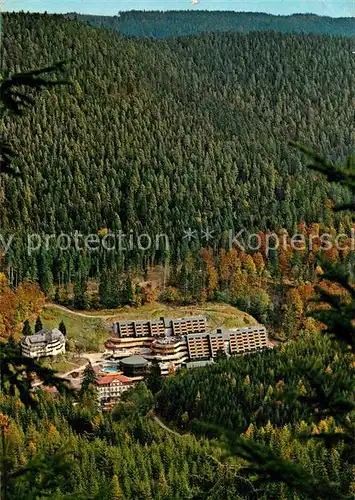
column 18, row 305
column 211, row 273
column 30, row 300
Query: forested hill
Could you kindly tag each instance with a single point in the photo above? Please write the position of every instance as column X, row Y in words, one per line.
column 158, row 24
column 157, row 136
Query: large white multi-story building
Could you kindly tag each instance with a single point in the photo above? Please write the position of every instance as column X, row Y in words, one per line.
column 176, row 342
column 137, row 334
column 235, row 341
column 43, row 343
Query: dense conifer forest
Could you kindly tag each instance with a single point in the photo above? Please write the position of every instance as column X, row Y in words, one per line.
column 250, row 390
column 162, row 136
column 159, row 136
column 104, row 457
column 270, row 398
column 157, row 24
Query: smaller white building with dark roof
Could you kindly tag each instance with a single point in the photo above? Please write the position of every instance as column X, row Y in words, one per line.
column 43, row 343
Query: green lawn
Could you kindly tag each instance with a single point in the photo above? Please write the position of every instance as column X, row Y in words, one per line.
column 218, row 314
column 86, row 334
column 65, row 362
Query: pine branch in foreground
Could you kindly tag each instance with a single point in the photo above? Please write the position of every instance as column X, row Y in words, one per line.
column 14, row 99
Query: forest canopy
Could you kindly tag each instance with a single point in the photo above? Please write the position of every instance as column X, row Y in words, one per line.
column 181, row 23
column 132, row 148
column 161, row 136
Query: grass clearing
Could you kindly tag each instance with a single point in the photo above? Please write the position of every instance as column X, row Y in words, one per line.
column 88, row 333
column 85, row 334
column 65, row 362
column 218, row 314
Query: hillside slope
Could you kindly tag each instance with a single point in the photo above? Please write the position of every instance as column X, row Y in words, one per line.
column 161, row 136
column 181, row 23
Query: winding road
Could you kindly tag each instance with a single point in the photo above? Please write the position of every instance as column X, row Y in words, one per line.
column 77, row 313
column 165, row 427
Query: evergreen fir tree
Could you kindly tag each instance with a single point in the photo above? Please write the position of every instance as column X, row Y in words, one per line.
column 45, row 276
column 11, row 342
column 57, row 294
column 220, row 355
column 38, row 325
column 104, row 290
column 62, row 328
column 128, row 292
column 26, row 330
column 109, row 291
column 153, row 378
column 116, row 493
column 89, row 378
column 80, row 295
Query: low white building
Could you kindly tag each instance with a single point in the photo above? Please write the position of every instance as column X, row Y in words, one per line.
column 43, row 343
column 111, row 387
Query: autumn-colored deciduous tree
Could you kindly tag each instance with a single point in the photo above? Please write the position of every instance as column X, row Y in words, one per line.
column 30, row 300
column 147, row 293
column 8, row 308
column 259, row 262
column 248, row 264
column 18, row 305
column 229, row 268
column 211, row 273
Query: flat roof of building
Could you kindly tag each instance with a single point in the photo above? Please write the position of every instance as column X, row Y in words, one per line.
column 168, row 340
column 164, row 320
column 196, row 335
column 247, row 329
column 199, row 364
column 189, row 318
column 224, row 334
column 134, row 361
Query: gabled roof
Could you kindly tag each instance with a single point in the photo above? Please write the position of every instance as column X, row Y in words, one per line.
column 111, row 378
column 43, row 337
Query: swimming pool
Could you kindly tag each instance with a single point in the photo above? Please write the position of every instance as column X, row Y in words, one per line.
column 110, row 369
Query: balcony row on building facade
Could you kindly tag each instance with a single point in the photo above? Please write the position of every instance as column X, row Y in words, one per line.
column 159, row 327
column 141, row 334
column 229, row 342
column 43, row 343
column 173, row 352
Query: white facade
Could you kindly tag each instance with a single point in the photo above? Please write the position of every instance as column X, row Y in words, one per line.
column 170, row 352
column 112, row 386
column 43, row 343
